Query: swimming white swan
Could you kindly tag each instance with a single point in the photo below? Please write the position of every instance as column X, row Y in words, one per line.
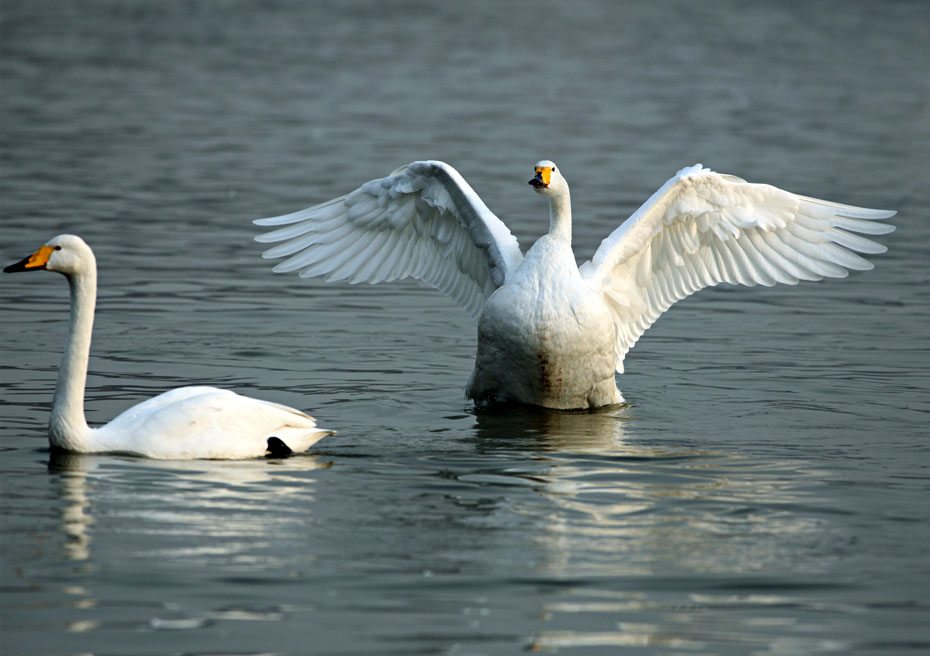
column 184, row 423
column 551, row 333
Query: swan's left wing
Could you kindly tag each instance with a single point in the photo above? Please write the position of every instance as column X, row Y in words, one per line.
column 422, row 221
column 703, row 228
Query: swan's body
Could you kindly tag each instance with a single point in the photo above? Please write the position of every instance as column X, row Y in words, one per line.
column 184, row 423
column 545, row 337
column 551, row 333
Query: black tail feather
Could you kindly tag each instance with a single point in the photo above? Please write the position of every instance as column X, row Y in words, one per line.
column 277, row 448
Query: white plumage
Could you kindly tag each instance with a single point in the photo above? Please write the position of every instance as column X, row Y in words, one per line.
column 551, row 333
column 184, row 423
column 423, row 221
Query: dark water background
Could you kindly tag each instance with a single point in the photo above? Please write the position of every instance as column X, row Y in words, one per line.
column 768, row 491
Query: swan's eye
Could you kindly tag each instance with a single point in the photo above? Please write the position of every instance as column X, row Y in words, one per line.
column 58, row 248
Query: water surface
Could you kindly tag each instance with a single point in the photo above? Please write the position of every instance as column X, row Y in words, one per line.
column 765, row 492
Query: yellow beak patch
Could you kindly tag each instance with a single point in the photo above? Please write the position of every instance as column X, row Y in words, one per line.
column 40, row 257
column 544, row 173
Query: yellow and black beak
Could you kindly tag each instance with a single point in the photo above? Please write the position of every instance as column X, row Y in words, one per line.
column 35, row 262
column 542, row 177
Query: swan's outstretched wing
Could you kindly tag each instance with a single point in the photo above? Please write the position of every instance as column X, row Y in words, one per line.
column 423, row 221
column 703, row 228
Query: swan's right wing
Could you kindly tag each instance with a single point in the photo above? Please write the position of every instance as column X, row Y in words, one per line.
column 703, row 228
column 422, row 221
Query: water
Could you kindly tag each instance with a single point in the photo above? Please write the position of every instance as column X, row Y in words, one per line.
column 766, row 492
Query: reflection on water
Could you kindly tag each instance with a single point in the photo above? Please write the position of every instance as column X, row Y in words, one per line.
column 182, row 512
column 606, row 529
column 74, row 505
column 510, row 426
column 626, row 523
column 611, row 542
column 204, row 505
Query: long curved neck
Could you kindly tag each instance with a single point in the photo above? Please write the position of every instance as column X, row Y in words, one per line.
column 560, row 215
column 67, row 427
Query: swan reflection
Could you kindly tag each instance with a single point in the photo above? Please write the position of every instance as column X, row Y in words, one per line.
column 523, row 426
column 214, row 509
column 76, row 519
column 170, row 514
column 639, row 524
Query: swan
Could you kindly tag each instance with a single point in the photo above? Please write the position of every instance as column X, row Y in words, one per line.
column 181, row 424
column 551, row 333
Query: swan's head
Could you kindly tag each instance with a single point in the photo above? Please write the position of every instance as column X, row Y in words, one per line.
column 548, row 179
column 67, row 254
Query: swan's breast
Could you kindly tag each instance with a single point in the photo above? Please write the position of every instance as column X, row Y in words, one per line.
column 547, row 301
column 546, row 330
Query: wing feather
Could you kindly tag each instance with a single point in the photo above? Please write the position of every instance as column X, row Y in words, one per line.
column 703, row 228
column 422, row 221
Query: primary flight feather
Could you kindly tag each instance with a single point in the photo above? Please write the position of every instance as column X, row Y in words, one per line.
column 551, row 333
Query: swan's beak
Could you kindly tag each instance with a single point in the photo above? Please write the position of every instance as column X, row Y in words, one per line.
column 36, row 261
column 542, row 177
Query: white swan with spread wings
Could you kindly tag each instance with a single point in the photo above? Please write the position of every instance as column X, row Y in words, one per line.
column 551, row 333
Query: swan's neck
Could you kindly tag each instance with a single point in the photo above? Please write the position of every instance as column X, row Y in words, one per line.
column 560, row 215
column 67, row 427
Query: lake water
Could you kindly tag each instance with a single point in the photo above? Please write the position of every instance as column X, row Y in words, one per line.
column 766, row 492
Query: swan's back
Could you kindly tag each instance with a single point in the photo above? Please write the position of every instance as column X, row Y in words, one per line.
column 205, row 422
